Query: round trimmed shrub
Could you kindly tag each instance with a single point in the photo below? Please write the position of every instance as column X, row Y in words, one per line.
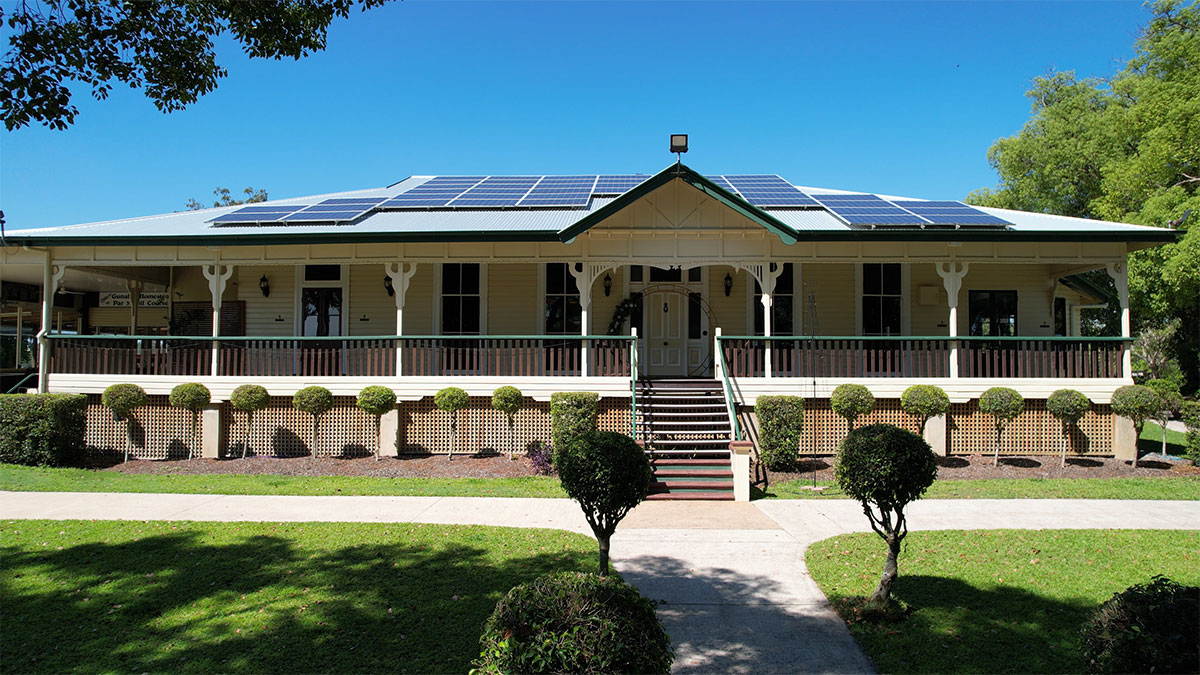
column 780, row 421
column 573, row 622
column 924, row 402
column 376, row 400
column 123, row 399
column 1004, row 405
column 190, row 396
column 508, row 400
column 451, row 399
column 572, row 413
column 1190, row 413
column 852, row 401
column 608, row 474
column 313, row 400
column 1068, row 405
column 250, row 398
column 1147, row 628
column 1136, row 402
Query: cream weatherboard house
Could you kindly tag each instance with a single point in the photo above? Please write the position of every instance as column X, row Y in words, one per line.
column 680, row 298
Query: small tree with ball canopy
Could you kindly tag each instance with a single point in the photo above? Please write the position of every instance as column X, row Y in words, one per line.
column 123, row 399
column 924, row 402
column 1138, row 403
column 1067, row 406
column 451, row 400
column 608, row 474
column 376, row 401
column 852, row 401
column 885, row 467
column 249, row 398
column 1170, row 402
column 315, row 401
column 191, row 396
column 508, row 400
column 1004, row 405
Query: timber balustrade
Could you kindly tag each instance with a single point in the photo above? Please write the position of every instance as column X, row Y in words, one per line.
column 924, row 357
column 431, row 356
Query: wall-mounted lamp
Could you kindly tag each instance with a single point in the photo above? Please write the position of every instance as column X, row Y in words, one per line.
column 387, row 284
column 364, row 318
column 264, row 285
column 607, row 284
column 728, row 284
column 279, row 318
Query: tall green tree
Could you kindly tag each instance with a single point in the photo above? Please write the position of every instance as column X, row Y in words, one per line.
column 225, row 198
column 164, row 47
column 1123, row 149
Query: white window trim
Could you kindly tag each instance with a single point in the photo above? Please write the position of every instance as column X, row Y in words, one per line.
column 905, row 297
column 343, row 283
column 797, row 292
column 483, row 296
column 540, row 299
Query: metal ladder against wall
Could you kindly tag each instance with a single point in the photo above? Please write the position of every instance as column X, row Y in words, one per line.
column 685, row 427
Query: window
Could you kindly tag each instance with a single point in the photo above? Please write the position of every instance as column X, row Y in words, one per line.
column 695, row 316
column 782, row 303
column 321, row 311
column 460, row 299
column 322, row 272
column 1060, row 316
column 882, row 299
column 563, row 315
column 992, row 313
column 666, row 275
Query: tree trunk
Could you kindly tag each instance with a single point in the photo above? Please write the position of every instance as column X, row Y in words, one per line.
column 313, row 453
column 1164, row 435
column 192, row 446
column 128, row 436
column 1137, row 434
column 996, row 456
column 604, row 544
column 378, row 431
column 249, row 432
column 512, row 439
column 453, row 435
column 1066, row 438
column 890, row 571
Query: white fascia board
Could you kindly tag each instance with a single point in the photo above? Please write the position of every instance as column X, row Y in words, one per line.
column 960, row 390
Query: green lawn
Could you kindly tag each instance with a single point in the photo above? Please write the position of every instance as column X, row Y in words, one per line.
column 1151, row 440
column 26, row 479
column 992, row 601
column 1180, row 487
column 104, row 596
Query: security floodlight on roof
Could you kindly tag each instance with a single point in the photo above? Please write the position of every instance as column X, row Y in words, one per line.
column 678, row 143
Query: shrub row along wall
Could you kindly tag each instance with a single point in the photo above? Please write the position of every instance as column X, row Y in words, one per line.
column 1035, row 432
column 159, row 431
column 162, row 432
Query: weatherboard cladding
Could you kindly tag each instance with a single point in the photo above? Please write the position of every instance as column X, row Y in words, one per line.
column 520, row 223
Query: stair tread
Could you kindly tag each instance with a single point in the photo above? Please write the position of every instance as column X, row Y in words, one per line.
column 697, row 496
column 726, row 474
column 694, row 462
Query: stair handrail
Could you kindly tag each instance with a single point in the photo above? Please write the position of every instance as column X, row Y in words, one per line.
column 28, row 377
column 728, row 388
column 633, row 377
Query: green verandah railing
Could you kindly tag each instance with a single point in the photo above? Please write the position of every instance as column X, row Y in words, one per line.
column 924, row 356
column 367, row 356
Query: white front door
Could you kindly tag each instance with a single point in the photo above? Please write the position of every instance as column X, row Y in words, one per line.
column 666, row 334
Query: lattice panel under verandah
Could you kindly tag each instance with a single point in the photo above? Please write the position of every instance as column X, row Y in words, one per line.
column 1035, row 432
column 282, row 431
column 159, row 431
column 483, row 429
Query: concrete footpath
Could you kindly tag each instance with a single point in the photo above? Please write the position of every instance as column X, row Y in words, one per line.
column 730, row 578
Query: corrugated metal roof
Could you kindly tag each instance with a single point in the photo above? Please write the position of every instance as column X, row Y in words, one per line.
column 507, row 222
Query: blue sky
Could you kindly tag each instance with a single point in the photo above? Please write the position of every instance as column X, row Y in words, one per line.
column 889, row 97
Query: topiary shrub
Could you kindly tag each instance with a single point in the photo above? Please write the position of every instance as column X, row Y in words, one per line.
column 508, row 400
column 572, row 413
column 1138, row 403
column 42, row 429
column 780, row 421
column 1067, row 406
column 249, row 398
column 924, row 402
column 608, row 474
column 376, row 401
column 1004, row 405
column 572, row 622
column 451, row 400
column 123, row 399
column 1147, row 628
column 852, row 401
column 315, row 401
column 193, row 397
column 1169, row 402
column 1190, row 413
column 885, row 467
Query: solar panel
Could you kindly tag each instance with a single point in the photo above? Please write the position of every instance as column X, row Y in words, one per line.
column 325, row 212
column 769, row 190
column 618, row 184
column 264, row 213
column 354, row 201
column 560, row 191
column 722, row 183
column 868, row 209
column 496, row 191
column 951, row 213
column 437, row 191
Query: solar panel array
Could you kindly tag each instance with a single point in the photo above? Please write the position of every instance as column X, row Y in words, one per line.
column 498, row 192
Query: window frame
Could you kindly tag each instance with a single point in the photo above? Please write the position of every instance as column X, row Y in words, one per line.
column 905, row 296
column 483, row 295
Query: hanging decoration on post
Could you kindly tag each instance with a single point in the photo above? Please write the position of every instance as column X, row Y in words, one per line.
column 728, row 284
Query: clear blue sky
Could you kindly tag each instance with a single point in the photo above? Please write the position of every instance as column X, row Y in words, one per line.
column 894, row 98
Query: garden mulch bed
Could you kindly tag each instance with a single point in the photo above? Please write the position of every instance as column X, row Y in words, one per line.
column 428, row 466
column 970, row 467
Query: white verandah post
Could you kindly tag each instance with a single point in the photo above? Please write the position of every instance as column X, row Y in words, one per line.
column 217, row 276
column 952, row 274
column 1119, row 271
column 51, row 275
column 401, row 275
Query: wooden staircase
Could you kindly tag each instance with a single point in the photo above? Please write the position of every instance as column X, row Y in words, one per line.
column 685, row 427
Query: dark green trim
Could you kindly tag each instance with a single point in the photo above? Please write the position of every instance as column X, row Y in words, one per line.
column 339, row 237
column 682, row 172
column 332, row 338
column 1080, row 284
column 943, row 338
